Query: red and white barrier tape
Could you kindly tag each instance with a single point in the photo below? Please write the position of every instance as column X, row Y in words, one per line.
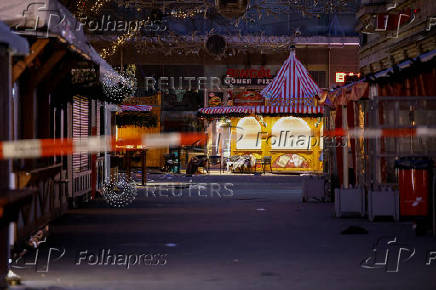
column 51, row 147
column 378, row 133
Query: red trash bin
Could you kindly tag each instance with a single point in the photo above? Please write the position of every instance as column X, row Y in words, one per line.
column 414, row 184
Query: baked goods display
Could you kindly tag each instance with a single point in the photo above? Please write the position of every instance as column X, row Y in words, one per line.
column 291, row 161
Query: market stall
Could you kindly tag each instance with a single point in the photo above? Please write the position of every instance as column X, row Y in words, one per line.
column 136, row 117
column 281, row 124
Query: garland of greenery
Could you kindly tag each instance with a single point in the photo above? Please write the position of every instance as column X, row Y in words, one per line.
column 136, row 119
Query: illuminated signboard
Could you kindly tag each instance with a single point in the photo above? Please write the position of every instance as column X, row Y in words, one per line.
column 340, row 76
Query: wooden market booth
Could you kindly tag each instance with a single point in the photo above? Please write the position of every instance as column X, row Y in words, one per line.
column 139, row 116
column 285, row 129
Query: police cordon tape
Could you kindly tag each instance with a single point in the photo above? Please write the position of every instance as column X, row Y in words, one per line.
column 377, row 133
column 34, row 148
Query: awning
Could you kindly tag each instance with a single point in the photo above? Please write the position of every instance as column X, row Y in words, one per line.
column 360, row 89
column 17, row 44
column 136, row 108
column 297, row 109
column 350, row 92
column 49, row 18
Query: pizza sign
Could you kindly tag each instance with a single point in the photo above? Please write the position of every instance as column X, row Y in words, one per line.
column 241, row 77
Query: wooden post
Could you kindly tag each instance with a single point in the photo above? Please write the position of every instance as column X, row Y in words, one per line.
column 5, row 165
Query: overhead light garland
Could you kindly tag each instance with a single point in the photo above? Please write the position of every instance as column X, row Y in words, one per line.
column 168, row 43
column 121, row 40
column 83, row 9
column 187, row 13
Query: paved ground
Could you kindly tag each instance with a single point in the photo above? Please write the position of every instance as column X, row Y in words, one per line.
column 256, row 236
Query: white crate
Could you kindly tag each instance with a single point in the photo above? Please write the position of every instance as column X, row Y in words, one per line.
column 383, row 202
column 350, row 200
column 313, row 187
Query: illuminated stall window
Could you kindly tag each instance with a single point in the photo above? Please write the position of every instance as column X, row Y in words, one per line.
column 290, row 133
column 247, row 130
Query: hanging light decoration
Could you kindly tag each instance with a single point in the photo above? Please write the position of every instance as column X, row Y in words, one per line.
column 119, row 192
column 117, row 90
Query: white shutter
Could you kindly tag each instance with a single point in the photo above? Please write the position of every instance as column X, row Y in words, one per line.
column 80, row 130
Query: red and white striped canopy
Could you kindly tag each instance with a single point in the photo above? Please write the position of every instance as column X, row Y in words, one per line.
column 295, row 109
column 292, row 85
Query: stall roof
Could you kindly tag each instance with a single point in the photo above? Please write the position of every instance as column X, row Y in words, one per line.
column 17, row 44
column 48, row 18
column 292, row 83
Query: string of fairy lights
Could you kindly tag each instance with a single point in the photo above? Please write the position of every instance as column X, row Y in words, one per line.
column 254, row 11
column 120, row 41
column 83, row 8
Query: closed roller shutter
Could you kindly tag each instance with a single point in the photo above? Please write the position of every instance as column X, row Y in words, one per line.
column 80, row 130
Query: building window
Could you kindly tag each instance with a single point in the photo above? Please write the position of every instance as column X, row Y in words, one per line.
column 320, row 78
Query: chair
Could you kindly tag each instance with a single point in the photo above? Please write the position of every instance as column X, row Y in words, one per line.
column 266, row 160
column 203, row 162
column 170, row 162
column 214, row 160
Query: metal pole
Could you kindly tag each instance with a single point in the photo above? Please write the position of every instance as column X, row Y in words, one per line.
column 345, row 148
